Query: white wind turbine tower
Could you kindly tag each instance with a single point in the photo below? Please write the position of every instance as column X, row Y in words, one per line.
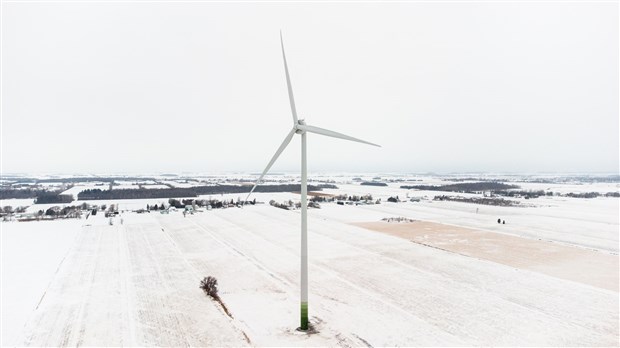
column 300, row 127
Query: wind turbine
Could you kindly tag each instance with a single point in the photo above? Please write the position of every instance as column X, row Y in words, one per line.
column 300, row 127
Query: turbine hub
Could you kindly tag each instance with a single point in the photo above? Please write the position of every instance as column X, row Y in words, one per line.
column 300, row 123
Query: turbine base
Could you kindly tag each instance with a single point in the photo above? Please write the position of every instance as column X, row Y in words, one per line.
column 304, row 317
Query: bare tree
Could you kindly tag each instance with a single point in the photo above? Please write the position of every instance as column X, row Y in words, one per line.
column 209, row 286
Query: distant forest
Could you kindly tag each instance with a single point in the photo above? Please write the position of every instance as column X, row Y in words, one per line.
column 195, row 191
column 53, row 197
column 19, row 194
column 41, row 196
column 83, row 179
column 477, row 200
column 582, row 179
column 501, row 189
column 469, row 187
column 373, row 183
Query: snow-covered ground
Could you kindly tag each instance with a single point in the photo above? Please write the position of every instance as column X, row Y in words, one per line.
column 136, row 283
column 76, row 189
column 17, row 202
column 32, row 254
column 591, row 223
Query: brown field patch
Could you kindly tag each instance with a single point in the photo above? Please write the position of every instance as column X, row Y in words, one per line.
column 586, row 266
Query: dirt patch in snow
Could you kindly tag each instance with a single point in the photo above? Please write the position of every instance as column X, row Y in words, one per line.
column 586, row 266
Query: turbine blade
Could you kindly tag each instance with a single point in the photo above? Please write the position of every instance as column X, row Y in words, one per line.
column 288, row 83
column 286, row 141
column 333, row 134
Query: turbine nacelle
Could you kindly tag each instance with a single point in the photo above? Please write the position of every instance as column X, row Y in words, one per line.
column 300, row 123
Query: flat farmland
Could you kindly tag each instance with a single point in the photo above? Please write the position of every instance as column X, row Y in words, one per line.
column 136, row 283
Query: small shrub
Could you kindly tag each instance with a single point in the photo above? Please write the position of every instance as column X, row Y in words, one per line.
column 209, row 286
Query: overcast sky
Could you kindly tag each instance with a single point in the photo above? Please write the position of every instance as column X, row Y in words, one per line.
column 171, row 87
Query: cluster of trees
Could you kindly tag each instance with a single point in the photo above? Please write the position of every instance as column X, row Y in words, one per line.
column 525, row 194
column 155, row 207
column 41, row 196
column 478, row 200
column 19, row 194
column 353, row 198
column 197, row 203
column 71, row 211
column 182, row 203
column 350, row 199
column 318, row 199
column 373, row 183
column 394, row 199
column 213, row 203
column 95, row 194
column 56, row 212
column 178, row 192
column 52, row 197
column 7, row 211
column 286, row 205
column 289, row 205
column 591, row 194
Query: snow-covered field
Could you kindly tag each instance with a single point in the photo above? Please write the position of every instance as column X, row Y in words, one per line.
column 85, row 282
column 591, row 223
column 85, row 186
column 32, row 254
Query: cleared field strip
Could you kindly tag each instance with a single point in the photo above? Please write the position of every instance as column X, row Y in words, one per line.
column 586, row 266
column 591, row 231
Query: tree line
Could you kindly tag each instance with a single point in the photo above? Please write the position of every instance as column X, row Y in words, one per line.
column 468, row 187
column 478, row 200
column 505, row 190
column 19, row 194
column 178, row 192
column 52, row 197
column 373, row 183
column 41, row 196
column 83, row 179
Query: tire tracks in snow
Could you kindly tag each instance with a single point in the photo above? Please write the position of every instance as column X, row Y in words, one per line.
column 456, row 284
column 235, row 322
column 372, row 294
column 283, row 282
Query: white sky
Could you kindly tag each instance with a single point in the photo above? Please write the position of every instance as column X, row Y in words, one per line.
column 170, row 87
